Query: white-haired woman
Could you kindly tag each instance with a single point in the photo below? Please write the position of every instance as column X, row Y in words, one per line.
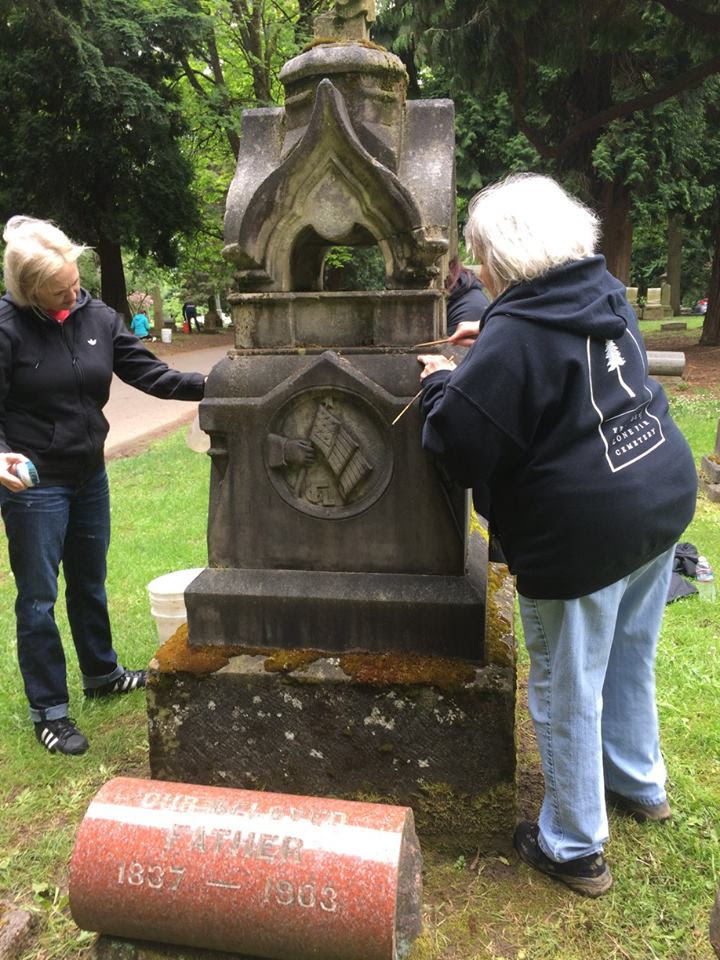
column 590, row 485
column 58, row 351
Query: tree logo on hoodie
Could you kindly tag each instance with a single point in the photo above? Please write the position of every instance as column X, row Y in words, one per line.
column 627, row 429
column 615, row 360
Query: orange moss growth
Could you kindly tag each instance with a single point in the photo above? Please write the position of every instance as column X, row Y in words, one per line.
column 177, row 655
column 285, row 661
column 377, row 669
column 381, row 669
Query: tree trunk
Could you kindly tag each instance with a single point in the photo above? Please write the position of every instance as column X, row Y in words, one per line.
column 676, row 223
column 158, row 318
column 617, row 230
column 711, row 325
column 112, row 275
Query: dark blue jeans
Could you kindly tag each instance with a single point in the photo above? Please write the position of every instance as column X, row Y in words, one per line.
column 44, row 526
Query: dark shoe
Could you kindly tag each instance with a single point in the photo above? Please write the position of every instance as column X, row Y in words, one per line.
column 589, row 875
column 642, row 812
column 127, row 682
column 61, row 736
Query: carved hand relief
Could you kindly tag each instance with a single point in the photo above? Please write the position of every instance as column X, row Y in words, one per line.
column 328, row 453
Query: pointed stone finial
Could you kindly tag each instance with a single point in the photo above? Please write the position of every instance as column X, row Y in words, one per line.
column 348, row 20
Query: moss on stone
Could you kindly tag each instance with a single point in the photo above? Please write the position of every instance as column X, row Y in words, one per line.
column 455, row 823
column 177, row 656
column 338, row 42
column 499, row 616
column 286, row 661
column 386, row 669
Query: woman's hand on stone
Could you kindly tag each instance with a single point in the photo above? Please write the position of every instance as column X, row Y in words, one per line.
column 7, row 472
column 432, row 362
column 465, row 333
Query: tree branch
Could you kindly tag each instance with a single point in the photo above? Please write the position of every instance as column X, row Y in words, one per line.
column 519, row 58
column 192, row 77
column 684, row 81
column 692, row 16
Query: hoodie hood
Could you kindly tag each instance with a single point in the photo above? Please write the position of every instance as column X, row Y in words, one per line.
column 83, row 298
column 578, row 297
column 466, row 281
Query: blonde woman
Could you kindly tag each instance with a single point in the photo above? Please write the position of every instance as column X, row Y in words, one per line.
column 59, row 348
column 590, row 485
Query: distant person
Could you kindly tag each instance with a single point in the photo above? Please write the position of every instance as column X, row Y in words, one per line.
column 140, row 326
column 58, row 351
column 466, row 301
column 591, row 484
column 189, row 312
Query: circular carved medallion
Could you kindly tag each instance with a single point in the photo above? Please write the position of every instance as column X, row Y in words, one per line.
column 328, row 453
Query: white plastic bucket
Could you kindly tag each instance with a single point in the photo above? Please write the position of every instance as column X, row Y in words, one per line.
column 166, row 334
column 167, row 600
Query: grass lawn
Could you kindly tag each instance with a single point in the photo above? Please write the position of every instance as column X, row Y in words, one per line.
column 475, row 908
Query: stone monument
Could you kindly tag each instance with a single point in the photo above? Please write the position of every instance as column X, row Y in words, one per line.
column 710, row 471
column 352, row 635
column 655, row 307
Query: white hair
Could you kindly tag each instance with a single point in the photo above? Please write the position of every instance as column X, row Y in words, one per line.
column 36, row 250
column 525, row 225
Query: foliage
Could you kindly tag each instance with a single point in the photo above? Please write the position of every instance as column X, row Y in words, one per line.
column 89, row 119
column 354, row 268
column 591, row 87
column 234, row 66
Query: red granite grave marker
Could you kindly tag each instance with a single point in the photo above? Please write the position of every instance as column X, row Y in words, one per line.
column 270, row 875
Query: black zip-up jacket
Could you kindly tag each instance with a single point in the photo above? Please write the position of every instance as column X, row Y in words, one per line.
column 55, row 379
column 553, row 411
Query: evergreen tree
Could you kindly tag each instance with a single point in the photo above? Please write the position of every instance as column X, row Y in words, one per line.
column 89, row 123
column 569, row 71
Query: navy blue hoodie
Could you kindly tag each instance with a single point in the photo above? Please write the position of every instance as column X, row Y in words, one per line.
column 553, row 411
column 466, row 301
column 55, row 379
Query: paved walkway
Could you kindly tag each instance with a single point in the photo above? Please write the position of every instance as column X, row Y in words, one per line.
column 135, row 418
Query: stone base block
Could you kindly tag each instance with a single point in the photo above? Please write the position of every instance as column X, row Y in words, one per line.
column 336, row 611
column 117, row 948
column 711, row 469
column 674, row 325
column 16, row 927
column 431, row 733
column 712, row 491
column 715, row 925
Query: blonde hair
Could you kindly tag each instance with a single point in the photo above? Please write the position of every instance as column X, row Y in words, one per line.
column 35, row 251
column 525, row 225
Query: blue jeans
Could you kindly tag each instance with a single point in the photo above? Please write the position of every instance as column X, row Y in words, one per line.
column 44, row 526
column 591, row 694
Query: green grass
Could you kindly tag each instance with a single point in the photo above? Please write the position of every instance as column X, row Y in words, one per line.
column 691, row 334
column 488, row 907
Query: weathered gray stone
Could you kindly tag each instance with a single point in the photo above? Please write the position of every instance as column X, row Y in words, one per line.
column 666, row 363
column 674, row 325
column 376, row 319
column 117, row 948
column 335, row 169
column 711, row 468
column 654, row 308
column 715, row 926
column 16, row 928
column 433, row 734
column 349, row 20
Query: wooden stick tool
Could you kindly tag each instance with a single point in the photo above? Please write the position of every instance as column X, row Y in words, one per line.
column 431, row 343
column 406, row 407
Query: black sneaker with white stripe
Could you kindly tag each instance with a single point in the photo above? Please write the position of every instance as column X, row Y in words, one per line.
column 128, row 681
column 61, row 736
